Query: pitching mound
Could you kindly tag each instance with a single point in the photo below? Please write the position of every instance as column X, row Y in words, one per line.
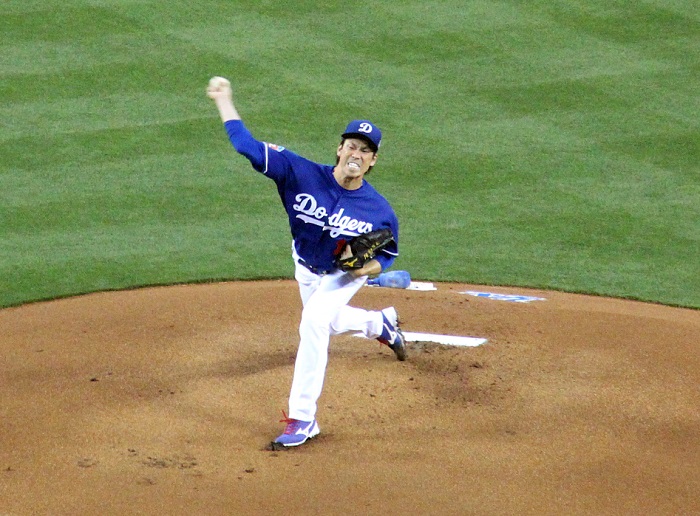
column 164, row 400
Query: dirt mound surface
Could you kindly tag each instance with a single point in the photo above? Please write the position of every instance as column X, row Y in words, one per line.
column 163, row 400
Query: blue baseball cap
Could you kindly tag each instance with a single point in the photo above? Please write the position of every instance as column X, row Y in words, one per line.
column 365, row 130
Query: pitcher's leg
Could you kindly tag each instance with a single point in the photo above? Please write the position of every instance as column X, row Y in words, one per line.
column 349, row 318
column 321, row 308
column 382, row 325
column 310, row 364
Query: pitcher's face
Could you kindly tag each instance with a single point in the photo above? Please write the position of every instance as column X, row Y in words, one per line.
column 355, row 157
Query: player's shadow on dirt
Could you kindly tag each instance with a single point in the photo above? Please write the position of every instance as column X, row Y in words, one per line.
column 254, row 365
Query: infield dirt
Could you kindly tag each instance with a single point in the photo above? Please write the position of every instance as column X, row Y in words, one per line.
column 163, row 400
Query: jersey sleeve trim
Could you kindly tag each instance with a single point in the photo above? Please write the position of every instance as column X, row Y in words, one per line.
column 267, row 159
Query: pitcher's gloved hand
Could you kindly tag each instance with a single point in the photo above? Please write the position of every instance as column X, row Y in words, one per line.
column 363, row 248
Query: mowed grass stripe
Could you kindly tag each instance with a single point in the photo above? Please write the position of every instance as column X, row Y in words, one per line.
column 87, row 114
column 138, row 222
column 122, row 193
column 103, row 145
column 616, row 20
column 526, row 149
column 61, row 38
column 104, row 260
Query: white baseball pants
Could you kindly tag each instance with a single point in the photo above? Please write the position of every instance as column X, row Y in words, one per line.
column 325, row 313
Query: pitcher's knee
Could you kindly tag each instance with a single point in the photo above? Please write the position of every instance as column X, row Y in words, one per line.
column 315, row 320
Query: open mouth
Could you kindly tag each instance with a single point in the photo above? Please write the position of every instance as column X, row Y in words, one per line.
column 354, row 166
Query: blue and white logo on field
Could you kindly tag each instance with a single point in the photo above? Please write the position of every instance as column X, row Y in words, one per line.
column 504, row 297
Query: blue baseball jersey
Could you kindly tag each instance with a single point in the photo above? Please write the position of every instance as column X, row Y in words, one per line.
column 323, row 215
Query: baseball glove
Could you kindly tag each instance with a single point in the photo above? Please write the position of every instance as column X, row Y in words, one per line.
column 364, row 247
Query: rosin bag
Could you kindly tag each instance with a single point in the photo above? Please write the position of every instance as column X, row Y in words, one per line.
column 392, row 279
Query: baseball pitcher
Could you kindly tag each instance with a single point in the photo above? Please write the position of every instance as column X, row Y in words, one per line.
column 342, row 231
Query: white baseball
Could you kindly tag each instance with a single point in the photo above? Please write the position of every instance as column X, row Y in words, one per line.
column 218, row 82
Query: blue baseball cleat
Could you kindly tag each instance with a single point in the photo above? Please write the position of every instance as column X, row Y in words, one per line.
column 296, row 432
column 392, row 335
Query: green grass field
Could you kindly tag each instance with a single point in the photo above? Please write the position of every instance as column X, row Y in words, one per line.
column 535, row 143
